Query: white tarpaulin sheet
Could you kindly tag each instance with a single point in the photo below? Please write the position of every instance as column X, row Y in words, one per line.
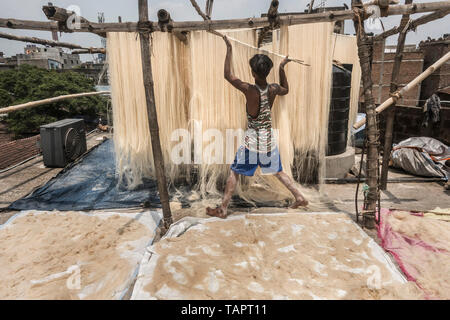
column 266, row 256
column 73, row 255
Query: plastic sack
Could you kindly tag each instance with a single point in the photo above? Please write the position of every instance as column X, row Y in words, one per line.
column 422, row 156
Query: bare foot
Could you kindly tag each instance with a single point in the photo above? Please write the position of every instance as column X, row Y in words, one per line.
column 217, row 212
column 299, row 203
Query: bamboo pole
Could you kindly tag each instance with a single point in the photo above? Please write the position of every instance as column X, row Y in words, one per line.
column 408, row 87
column 365, row 45
column 38, row 103
column 89, row 51
column 294, row 19
column 152, row 116
column 391, row 113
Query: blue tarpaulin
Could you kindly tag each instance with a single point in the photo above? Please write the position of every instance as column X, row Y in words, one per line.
column 89, row 184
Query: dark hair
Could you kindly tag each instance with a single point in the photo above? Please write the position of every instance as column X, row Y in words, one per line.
column 261, row 65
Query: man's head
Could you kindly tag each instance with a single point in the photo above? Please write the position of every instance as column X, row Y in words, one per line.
column 261, row 66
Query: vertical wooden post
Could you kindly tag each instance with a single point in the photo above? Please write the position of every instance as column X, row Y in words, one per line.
column 310, row 9
column 209, row 6
column 365, row 44
column 152, row 115
column 272, row 14
column 394, row 86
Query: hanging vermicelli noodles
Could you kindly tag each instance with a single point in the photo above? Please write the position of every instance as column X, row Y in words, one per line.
column 191, row 94
column 134, row 158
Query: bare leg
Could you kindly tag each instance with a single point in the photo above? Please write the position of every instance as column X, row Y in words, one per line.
column 300, row 200
column 221, row 211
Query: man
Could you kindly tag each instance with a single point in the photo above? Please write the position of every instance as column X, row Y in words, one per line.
column 259, row 148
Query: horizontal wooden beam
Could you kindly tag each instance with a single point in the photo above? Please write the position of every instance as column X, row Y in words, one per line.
column 101, row 28
column 49, row 43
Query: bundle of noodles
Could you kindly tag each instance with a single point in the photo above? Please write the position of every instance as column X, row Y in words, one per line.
column 134, row 159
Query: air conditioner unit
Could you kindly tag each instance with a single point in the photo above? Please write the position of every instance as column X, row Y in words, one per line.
column 63, row 142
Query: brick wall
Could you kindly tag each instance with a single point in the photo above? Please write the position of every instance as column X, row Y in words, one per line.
column 382, row 65
column 408, row 123
column 433, row 51
column 18, row 150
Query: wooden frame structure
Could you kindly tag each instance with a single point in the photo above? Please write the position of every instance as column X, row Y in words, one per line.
column 144, row 27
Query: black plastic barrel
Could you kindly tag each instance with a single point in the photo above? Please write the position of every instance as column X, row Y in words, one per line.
column 339, row 111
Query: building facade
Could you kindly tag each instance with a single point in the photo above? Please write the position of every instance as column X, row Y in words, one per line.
column 48, row 58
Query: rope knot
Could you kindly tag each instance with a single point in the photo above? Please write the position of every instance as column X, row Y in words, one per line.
column 145, row 27
column 395, row 96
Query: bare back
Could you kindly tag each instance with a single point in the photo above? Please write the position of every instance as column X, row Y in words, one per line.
column 252, row 96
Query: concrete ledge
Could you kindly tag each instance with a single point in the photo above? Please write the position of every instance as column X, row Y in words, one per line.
column 339, row 165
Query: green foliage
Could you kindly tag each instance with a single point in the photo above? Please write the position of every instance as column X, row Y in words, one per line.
column 30, row 83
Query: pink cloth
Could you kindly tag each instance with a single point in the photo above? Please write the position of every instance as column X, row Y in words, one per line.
column 408, row 252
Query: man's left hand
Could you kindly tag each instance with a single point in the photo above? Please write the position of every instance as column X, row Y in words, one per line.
column 285, row 61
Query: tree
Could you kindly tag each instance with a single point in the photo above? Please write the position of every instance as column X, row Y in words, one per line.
column 30, row 83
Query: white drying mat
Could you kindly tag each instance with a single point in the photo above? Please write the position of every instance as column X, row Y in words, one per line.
column 320, row 255
column 73, row 255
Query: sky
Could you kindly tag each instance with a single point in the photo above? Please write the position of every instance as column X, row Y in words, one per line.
column 180, row 10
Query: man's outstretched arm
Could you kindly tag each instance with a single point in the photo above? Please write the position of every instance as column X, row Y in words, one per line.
column 236, row 82
column 283, row 89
